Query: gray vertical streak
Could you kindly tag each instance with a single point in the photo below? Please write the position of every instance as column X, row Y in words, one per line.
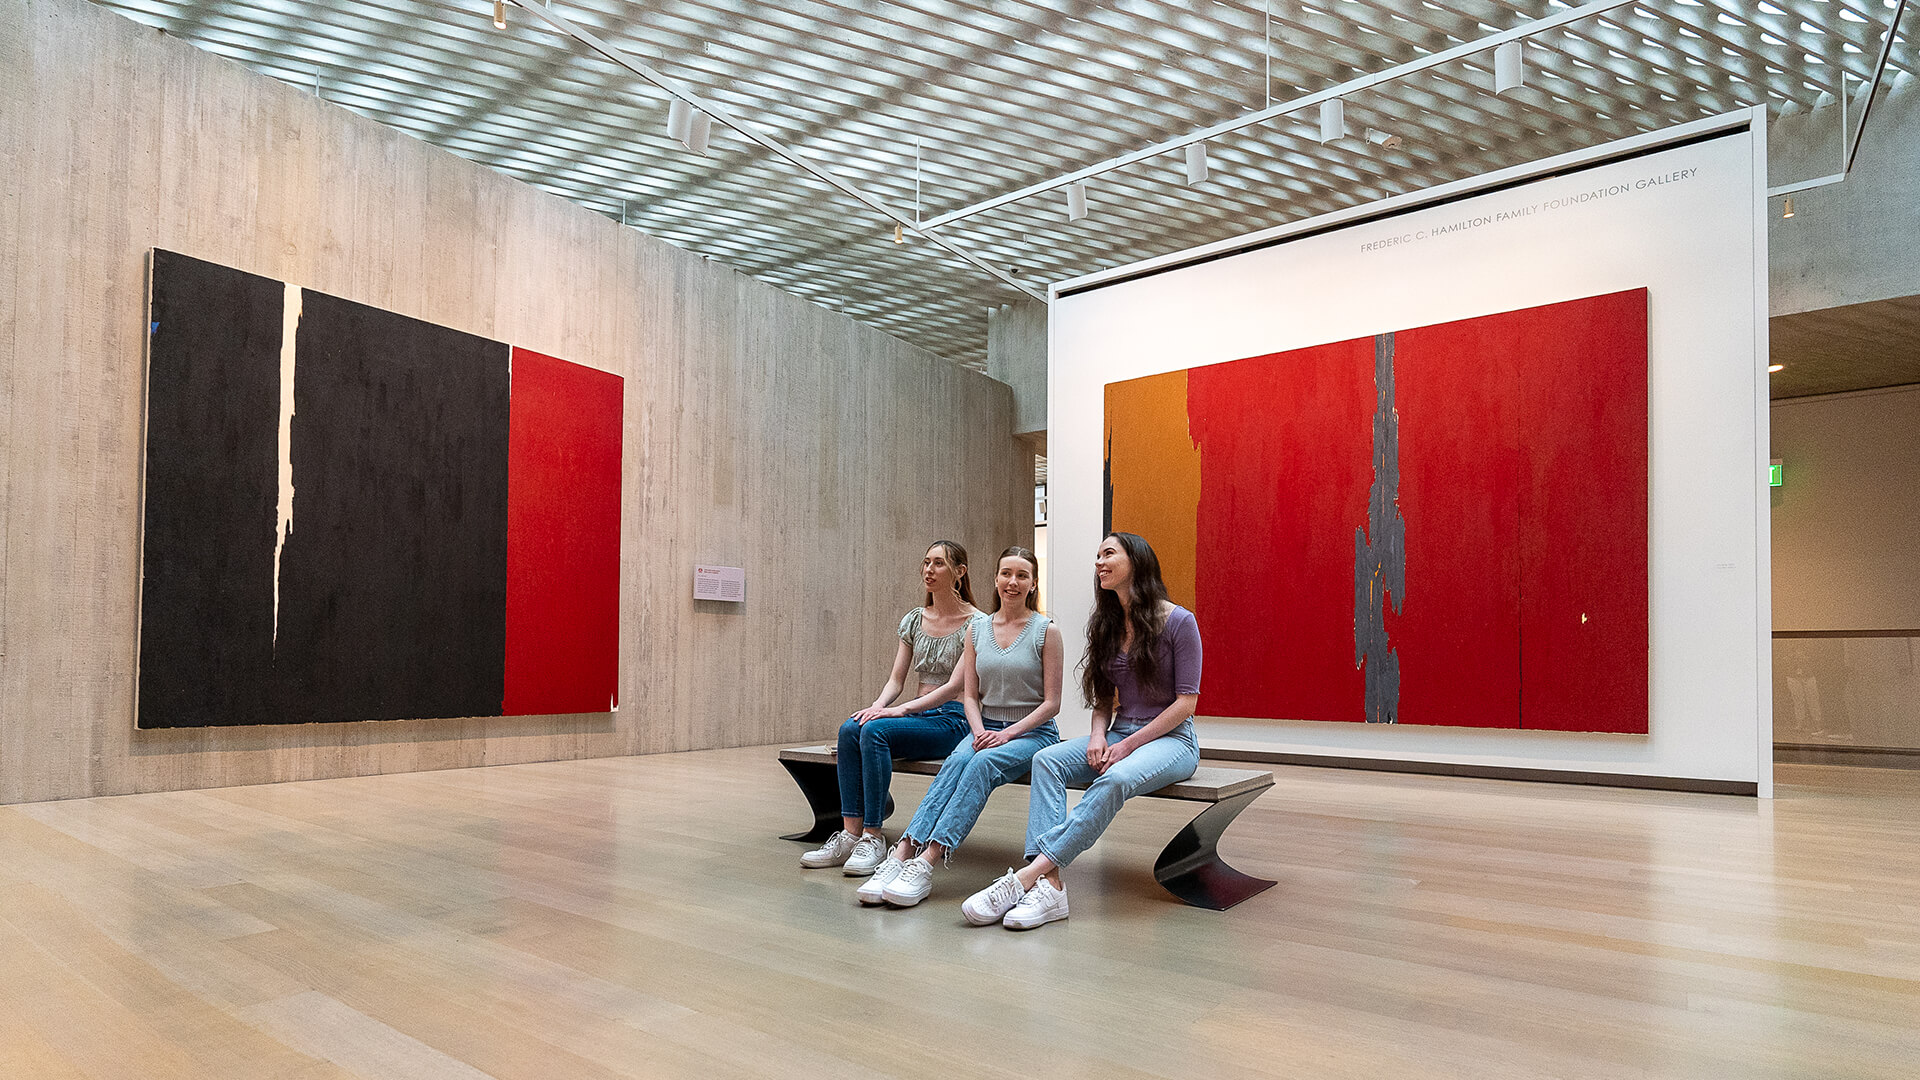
column 1380, row 565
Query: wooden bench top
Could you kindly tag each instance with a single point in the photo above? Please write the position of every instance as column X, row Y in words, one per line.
column 1207, row 784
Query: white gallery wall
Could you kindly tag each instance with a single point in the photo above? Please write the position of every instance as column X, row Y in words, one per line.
column 1683, row 219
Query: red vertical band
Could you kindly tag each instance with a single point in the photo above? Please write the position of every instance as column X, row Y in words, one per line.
column 1458, row 633
column 563, row 538
column 1583, row 557
column 1286, row 457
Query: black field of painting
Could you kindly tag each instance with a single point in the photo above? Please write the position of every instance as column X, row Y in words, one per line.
column 333, row 553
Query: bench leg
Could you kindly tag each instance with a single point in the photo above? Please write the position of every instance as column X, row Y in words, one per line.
column 820, row 783
column 1190, row 867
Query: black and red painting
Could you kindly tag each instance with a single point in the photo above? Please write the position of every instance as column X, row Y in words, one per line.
column 355, row 515
column 1444, row 525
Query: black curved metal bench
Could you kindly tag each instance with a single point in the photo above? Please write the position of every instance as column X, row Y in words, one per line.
column 1189, row 866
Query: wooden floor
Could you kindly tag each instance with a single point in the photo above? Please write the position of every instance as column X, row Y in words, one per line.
column 636, row 918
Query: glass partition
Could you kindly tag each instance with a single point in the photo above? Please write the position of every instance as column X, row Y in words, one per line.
column 1847, row 689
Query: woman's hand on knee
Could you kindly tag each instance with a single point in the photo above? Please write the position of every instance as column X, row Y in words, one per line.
column 1097, row 754
column 1115, row 755
column 878, row 713
column 989, row 739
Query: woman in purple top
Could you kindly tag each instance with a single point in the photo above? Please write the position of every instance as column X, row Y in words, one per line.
column 1142, row 680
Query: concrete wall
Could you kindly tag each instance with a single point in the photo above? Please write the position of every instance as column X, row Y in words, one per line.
column 1846, row 557
column 1851, row 242
column 1017, row 356
column 761, row 431
column 1846, row 521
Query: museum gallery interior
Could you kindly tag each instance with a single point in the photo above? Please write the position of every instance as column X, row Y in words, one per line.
column 464, row 462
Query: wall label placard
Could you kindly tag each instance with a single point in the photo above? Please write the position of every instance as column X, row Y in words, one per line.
column 728, row 583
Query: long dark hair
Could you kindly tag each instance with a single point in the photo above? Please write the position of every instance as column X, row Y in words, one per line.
column 1018, row 552
column 957, row 558
column 1107, row 626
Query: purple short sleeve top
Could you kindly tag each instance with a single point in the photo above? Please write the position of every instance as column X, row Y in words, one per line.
column 1178, row 659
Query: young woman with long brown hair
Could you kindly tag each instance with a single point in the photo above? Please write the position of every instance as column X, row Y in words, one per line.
column 1142, row 681
column 932, row 638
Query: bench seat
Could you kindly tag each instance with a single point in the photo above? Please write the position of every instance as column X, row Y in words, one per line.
column 1189, row 866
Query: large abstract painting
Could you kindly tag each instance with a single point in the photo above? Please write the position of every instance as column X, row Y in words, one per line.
column 355, row 515
column 1444, row 525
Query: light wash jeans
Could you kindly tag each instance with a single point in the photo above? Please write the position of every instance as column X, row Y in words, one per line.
column 865, row 760
column 1061, row 836
column 967, row 777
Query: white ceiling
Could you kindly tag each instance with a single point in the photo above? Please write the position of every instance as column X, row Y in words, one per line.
column 996, row 95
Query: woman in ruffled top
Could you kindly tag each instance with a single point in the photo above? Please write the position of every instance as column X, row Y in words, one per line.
column 932, row 638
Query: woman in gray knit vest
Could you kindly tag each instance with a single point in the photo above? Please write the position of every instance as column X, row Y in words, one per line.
column 1010, row 688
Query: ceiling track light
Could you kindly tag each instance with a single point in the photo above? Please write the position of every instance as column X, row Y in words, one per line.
column 1786, row 210
column 1196, row 163
column 1076, row 201
column 499, row 14
column 1333, row 120
column 1383, row 140
column 1509, row 68
column 688, row 126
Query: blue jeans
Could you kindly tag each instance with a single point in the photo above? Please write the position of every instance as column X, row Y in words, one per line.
column 867, row 751
column 966, row 778
column 1062, row 836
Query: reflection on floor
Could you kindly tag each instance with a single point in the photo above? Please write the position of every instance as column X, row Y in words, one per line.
column 636, row 918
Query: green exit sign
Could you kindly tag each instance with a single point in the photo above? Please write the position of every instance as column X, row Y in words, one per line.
column 1773, row 473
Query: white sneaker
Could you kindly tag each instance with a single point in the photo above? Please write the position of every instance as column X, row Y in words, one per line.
column 870, row 889
column 911, row 885
column 832, row 853
column 990, row 903
column 868, row 853
column 1042, row 904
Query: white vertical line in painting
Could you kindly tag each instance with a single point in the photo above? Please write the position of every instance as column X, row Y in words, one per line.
column 289, row 326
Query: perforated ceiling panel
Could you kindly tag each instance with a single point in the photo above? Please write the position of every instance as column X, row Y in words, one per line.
column 937, row 106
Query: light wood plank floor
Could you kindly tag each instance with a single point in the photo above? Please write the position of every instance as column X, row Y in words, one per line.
column 636, row 918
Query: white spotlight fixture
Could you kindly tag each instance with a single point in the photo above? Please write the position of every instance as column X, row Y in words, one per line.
column 1196, row 162
column 1383, row 140
column 1509, row 68
column 1333, row 120
column 688, row 126
column 1076, row 201
column 1786, row 209
column 499, row 14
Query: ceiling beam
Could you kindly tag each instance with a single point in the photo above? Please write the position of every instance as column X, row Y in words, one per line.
column 1261, row 116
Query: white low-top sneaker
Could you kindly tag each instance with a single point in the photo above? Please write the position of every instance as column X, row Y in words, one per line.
column 911, row 885
column 868, row 853
column 1042, row 904
column 870, row 889
column 989, row 904
column 832, row 853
